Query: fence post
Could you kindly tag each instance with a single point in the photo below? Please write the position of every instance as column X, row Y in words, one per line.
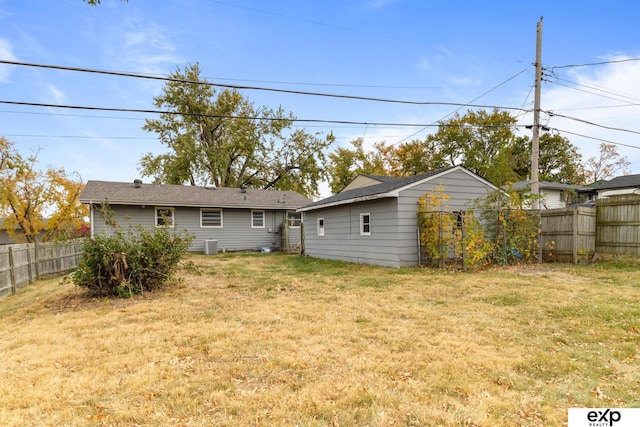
column 12, row 271
column 574, row 246
column 37, row 254
column 464, row 247
column 539, row 231
column 29, row 263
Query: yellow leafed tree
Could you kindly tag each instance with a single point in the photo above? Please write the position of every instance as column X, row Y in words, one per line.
column 38, row 205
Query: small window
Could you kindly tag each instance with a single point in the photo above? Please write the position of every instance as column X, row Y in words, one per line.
column 320, row 226
column 164, row 217
column 257, row 219
column 211, row 218
column 294, row 219
column 365, row 224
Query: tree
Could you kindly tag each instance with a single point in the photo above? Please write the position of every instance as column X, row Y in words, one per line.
column 345, row 164
column 224, row 140
column 559, row 160
column 96, row 2
column 606, row 165
column 481, row 141
column 38, row 205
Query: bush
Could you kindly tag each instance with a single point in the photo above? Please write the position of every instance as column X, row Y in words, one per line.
column 130, row 261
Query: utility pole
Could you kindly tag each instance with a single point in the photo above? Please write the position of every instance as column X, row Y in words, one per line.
column 535, row 139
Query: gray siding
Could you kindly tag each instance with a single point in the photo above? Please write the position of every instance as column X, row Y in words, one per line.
column 394, row 230
column 342, row 239
column 236, row 232
column 462, row 189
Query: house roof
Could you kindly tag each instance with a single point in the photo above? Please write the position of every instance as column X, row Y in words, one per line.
column 547, row 185
column 624, row 181
column 388, row 187
column 126, row 193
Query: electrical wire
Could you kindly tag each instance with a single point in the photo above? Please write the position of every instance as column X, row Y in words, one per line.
column 596, row 139
column 244, row 87
column 551, row 113
column 462, row 106
column 615, row 61
column 218, row 116
column 601, row 89
column 597, row 94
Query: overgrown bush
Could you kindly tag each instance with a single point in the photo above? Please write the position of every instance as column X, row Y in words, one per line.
column 442, row 238
column 130, row 261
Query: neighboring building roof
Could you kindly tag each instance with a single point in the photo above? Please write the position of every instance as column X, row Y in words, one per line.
column 624, row 181
column 388, row 187
column 123, row 193
column 547, row 185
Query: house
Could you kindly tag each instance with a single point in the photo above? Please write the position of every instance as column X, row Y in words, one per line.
column 18, row 237
column 618, row 186
column 373, row 219
column 236, row 218
column 553, row 195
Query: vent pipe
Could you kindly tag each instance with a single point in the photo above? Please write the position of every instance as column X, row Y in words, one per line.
column 137, row 183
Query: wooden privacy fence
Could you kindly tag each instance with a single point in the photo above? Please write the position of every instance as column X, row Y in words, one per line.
column 23, row 263
column 618, row 225
column 569, row 234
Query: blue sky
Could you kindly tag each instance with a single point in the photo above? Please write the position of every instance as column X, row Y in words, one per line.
column 479, row 52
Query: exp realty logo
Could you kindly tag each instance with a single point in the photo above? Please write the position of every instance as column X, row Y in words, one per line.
column 604, row 417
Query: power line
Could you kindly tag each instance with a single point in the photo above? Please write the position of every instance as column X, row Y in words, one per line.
column 219, row 116
column 596, row 94
column 601, row 89
column 77, row 136
column 596, row 139
column 244, row 87
column 551, row 113
column 589, row 64
column 462, row 106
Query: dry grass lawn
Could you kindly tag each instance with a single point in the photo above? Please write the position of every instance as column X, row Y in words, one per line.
column 274, row 340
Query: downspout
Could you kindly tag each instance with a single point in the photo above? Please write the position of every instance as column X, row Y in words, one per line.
column 91, row 218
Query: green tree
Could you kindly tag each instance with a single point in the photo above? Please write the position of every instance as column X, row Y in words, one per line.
column 481, row 141
column 35, row 204
column 221, row 138
column 559, row 160
column 347, row 163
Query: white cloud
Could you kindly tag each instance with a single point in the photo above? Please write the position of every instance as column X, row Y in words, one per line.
column 381, row 4
column 607, row 95
column 6, row 54
column 142, row 47
column 58, row 96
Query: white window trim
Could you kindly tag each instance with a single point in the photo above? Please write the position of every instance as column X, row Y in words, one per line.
column 165, row 208
column 212, row 226
column 362, row 232
column 294, row 226
column 320, row 228
column 264, row 218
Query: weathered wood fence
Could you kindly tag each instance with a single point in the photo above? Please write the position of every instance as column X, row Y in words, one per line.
column 568, row 235
column 23, row 263
column 618, row 225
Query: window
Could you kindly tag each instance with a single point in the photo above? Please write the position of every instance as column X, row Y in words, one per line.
column 365, row 224
column 294, row 219
column 257, row 219
column 164, row 217
column 211, row 218
column 320, row 226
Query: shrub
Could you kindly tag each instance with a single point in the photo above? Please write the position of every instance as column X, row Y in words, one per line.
column 130, row 261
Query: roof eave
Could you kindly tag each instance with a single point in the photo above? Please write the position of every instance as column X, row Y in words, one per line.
column 189, row 205
column 349, row 201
